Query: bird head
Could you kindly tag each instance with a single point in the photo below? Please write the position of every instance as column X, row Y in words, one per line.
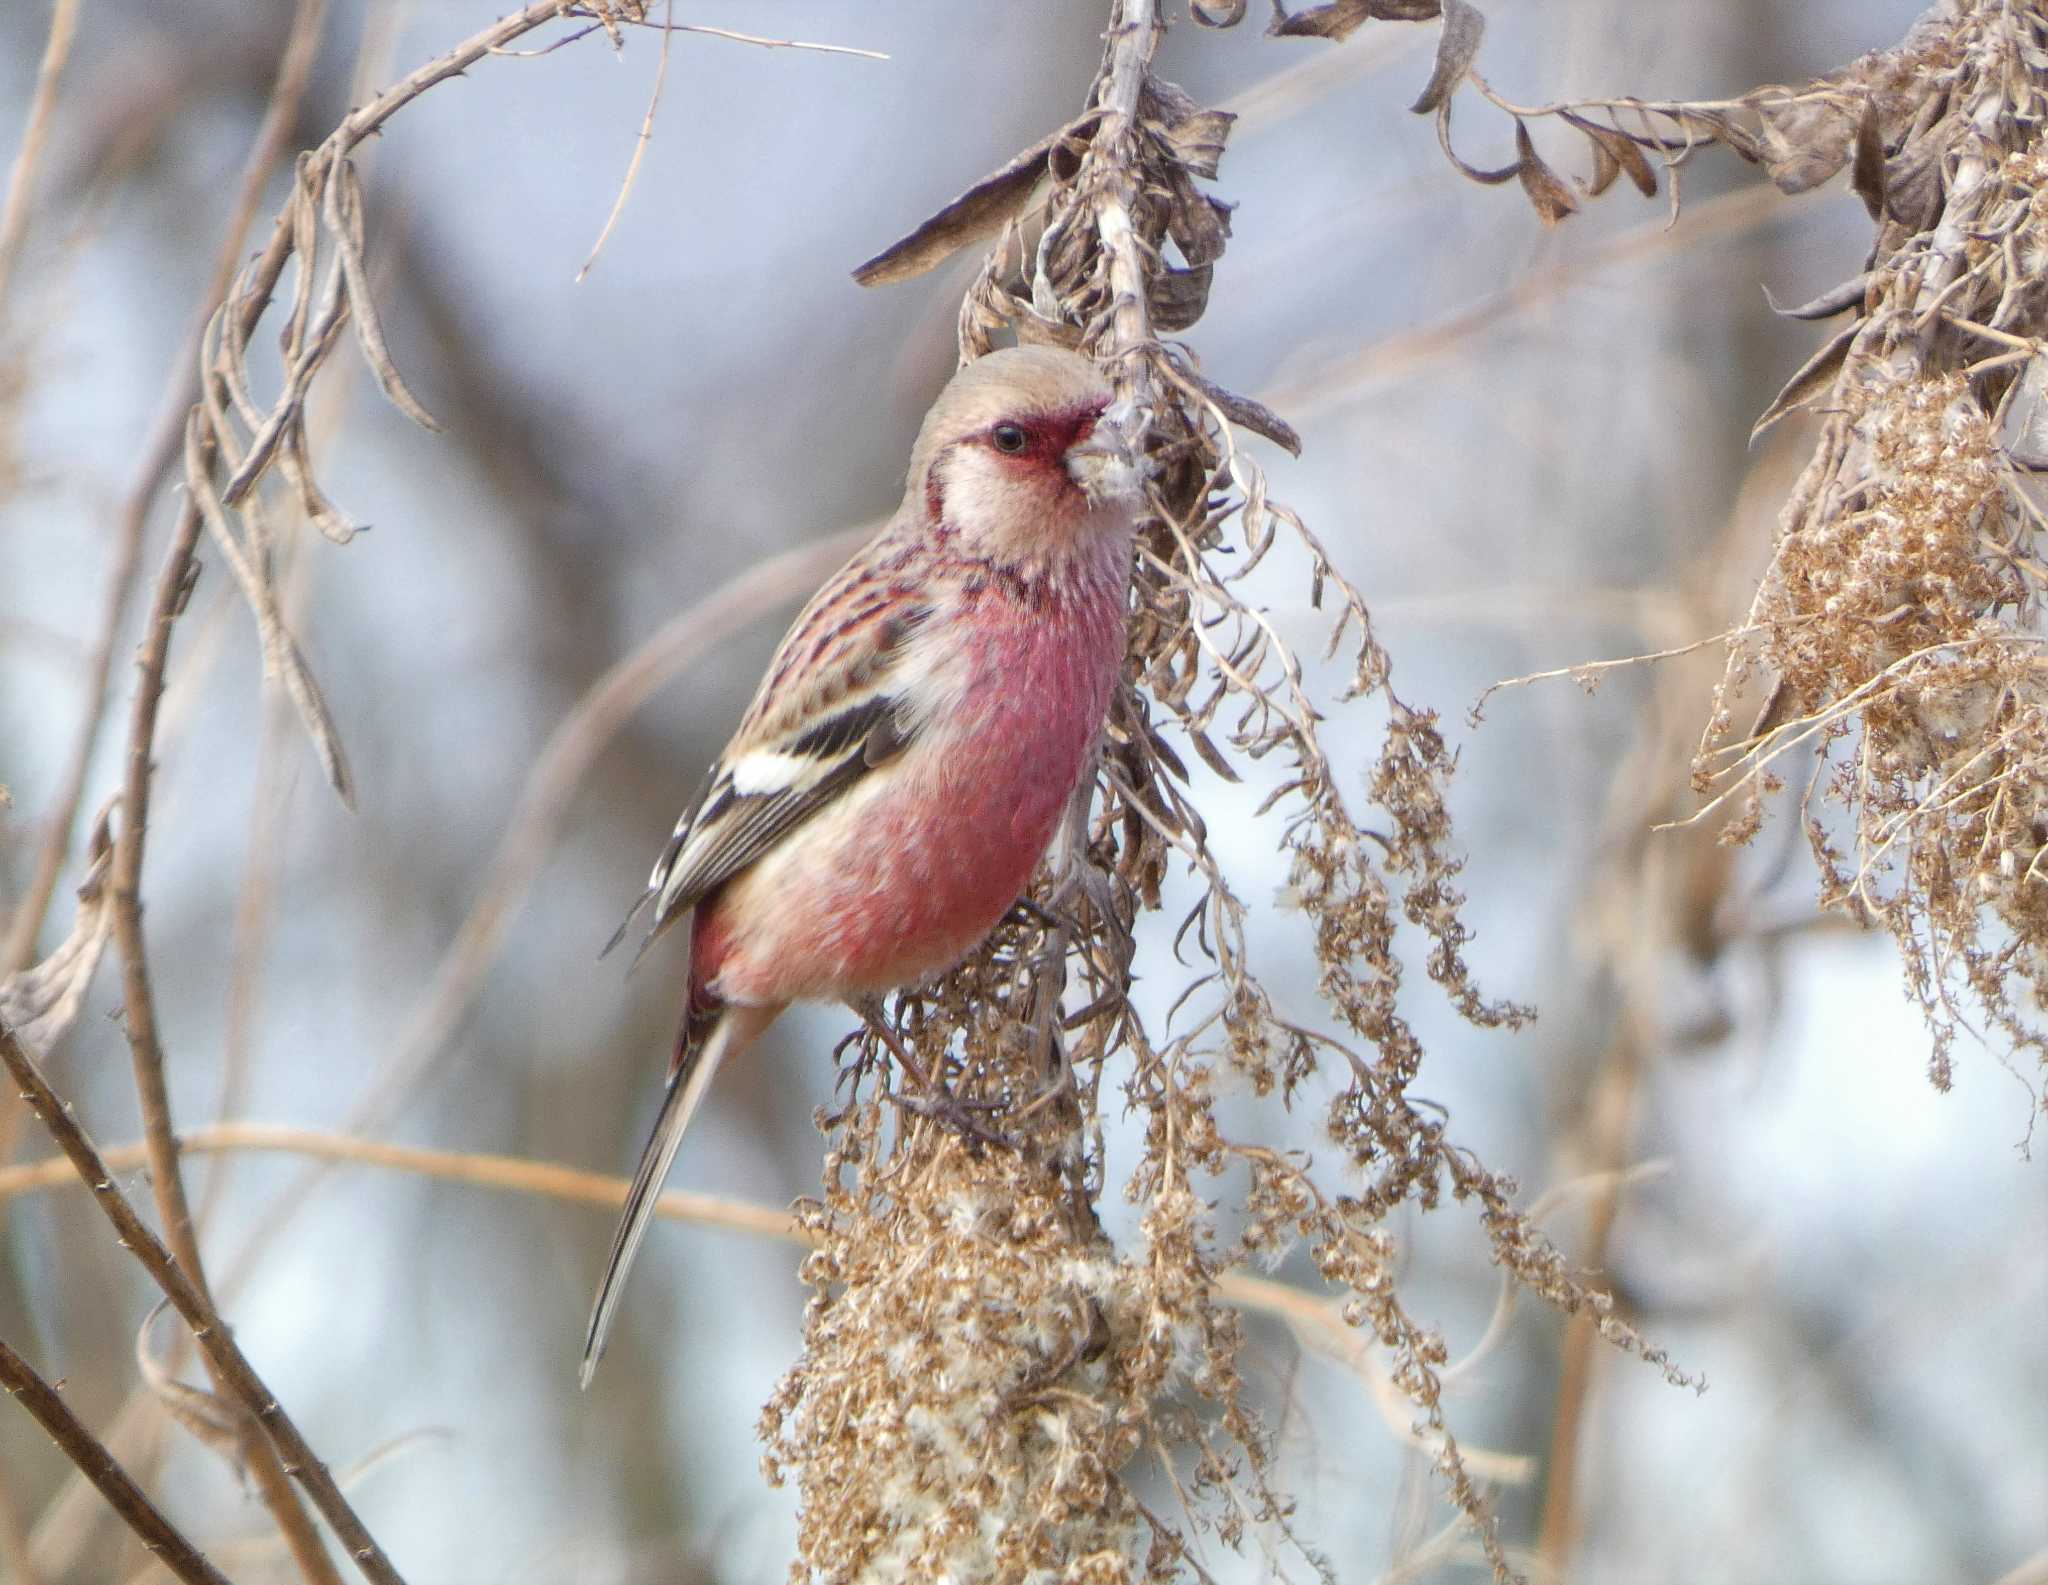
column 1027, row 460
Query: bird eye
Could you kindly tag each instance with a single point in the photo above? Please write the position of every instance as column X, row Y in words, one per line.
column 1009, row 439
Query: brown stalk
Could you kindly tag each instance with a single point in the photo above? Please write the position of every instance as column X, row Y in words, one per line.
column 294, row 70
column 146, row 1048
column 230, row 1365
column 1312, row 1317
column 158, row 1534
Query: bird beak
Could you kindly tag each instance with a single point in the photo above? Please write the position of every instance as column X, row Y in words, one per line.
column 1105, row 465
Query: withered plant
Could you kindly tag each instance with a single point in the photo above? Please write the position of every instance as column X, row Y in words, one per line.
column 988, row 1380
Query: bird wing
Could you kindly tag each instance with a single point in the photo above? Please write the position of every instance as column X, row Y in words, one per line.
column 830, row 710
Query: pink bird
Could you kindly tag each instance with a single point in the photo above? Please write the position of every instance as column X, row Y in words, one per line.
column 920, row 730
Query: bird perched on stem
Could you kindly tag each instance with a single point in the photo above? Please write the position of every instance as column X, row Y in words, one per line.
column 918, row 735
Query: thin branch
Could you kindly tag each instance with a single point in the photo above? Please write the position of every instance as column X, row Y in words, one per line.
column 670, row 25
column 509, row 1174
column 146, row 1048
column 230, row 1365
column 1311, row 1316
column 100, row 1467
column 639, row 148
column 281, row 114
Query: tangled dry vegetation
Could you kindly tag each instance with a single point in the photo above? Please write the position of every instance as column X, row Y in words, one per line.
column 982, row 1367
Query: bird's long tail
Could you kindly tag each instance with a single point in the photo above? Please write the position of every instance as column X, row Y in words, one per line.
column 734, row 1029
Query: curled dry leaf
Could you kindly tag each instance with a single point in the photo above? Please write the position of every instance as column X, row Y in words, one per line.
column 1805, row 141
column 1615, row 153
column 1837, row 300
column 41, row 1003
column 980, row 212
column 1342, row 18
column 1179, row 296
column 250, row 568
column 1867, row 175
column 1548, row 192
column 206, row 1417
column 1248, row 414
column 1196, row 136
column 1814, row 377
column 1486, row 178
column 1456, row 47
column 1217, row 13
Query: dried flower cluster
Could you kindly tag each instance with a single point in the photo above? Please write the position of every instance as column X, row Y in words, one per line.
column 981, row 1366
column 1900, row 616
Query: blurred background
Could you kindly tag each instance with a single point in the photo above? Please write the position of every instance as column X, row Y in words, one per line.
column 1527, row 448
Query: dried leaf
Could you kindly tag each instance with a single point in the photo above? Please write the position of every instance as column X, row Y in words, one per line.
column 1548, row 192
column 1198, row 224
column 209, row 1420
column 1217, row 13
column 1211, row 755
column 1199, row 140
column 1804, row 143
column 281, row 657
column 1456, row 48
column 1244, row 412
column 298, row 472
column 1179, row 296
column 312, row 706
column 1838, row 300
column 1341, row 18
column 1615, row 152
column 1033, row 329
column 1867, row 171
column 2025, row 435
column 43, row 1001
column 1196, row 136
column 343, row 210
column 979, row 212
column 1471, row 172
column 1912, row 180
column 1816, row 375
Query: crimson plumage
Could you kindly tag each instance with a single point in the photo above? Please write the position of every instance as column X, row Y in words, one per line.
column 906, row 760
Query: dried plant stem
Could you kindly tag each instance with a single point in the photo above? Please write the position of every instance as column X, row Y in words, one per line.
column 1310, row 1316
column 230, row 1365
column 640, row 143
column 21, row 180
column 146, row 1048
column 288, row 90
column 165, row 1544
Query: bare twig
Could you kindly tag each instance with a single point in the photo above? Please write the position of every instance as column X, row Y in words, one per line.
column 230, row 1365
column 145, row 1047
column 294, row 70
column 1311, row 1316
column 100, row 1467
column 639, row 148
